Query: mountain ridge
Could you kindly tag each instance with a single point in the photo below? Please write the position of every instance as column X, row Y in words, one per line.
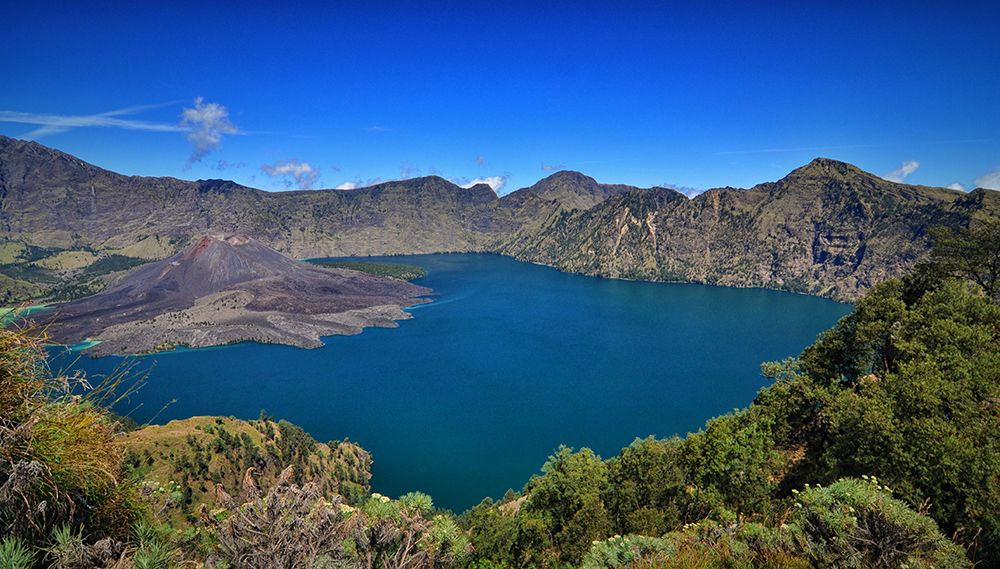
column 826, row 228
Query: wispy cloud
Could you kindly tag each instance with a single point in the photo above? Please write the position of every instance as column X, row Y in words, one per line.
column 377, row 128
column 407, row 171
column 227, row 165
column 989, row 180
column 495, row 182
column 205, row 124
column 293, row 172
column 956, row 186
column 845, row 146
column 55, row 124
column 900, row 174
column 551, row 167
column 481, row 160
column 797, row 149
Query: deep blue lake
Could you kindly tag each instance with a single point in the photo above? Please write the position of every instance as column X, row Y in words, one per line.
column 469, row 397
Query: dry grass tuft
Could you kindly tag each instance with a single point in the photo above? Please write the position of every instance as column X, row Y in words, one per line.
column 60, row 451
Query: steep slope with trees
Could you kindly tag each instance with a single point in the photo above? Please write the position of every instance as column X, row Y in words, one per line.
column 893, row 409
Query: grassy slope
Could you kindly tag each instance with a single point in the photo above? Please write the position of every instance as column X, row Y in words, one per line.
column 16, row 290
column 28, row 272
column 181, row 462
column 68, row 260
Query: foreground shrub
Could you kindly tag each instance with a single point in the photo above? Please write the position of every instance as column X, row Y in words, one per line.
column 296, row 527
column 60, row 457
column 708, row 544
column 398, row 534
column 857, row 523
column 153, row 549
column 623, row 551
column 853, row 524
column 15, row 554
column 290, row 526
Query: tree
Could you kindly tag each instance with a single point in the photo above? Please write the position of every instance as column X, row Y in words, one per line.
column 645, row 484
column 969, row 253
column 922, row 418
column 568, row 498
column 732, row 462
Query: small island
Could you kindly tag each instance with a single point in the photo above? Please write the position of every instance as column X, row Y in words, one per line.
column 229, row 288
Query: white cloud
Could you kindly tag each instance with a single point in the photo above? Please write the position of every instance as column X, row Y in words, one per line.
column 358, row 183
column 956, row 186
column 686, row 190
column 899, row 174
column 495, row 182
column 301, row 174
column 989, row 180
column 551, row 167
column 205, row 124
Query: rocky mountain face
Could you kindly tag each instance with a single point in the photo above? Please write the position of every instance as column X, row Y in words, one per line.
column 52, row 199
column 570, row 190
column 827, row 228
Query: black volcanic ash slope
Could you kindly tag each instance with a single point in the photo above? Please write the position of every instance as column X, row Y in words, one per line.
column 228, row 281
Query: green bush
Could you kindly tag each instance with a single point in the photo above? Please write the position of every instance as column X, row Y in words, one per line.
column 153, row 549
column 858, row 524
column 15, row 554
column 624, row 551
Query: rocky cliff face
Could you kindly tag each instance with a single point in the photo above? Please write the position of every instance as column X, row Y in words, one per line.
column 827, row 228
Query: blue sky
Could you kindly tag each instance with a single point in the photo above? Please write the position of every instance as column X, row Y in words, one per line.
column 320, row 95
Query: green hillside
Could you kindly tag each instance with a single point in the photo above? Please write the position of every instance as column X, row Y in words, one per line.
column 876, row 447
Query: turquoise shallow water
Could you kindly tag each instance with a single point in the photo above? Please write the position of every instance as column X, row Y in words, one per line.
column 469, row 397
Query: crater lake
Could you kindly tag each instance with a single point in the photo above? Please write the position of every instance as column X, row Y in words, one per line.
column 469, row 397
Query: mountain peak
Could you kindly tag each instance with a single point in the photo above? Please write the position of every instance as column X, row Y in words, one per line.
column 828, row 167
column 571, row 189
column 218, row 240
column 567, row 176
